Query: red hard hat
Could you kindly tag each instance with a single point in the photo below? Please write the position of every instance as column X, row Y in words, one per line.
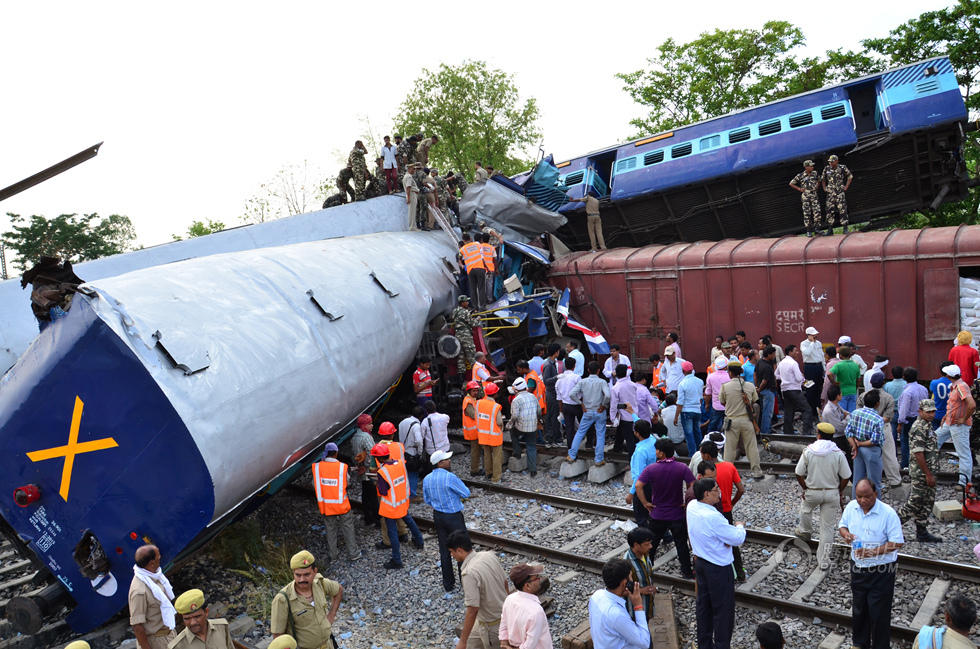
column 472, row 385
column 386, row 428
column 491, row 389
column 380, row 450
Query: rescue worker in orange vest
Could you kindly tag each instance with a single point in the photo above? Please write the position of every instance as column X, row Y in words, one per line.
column 490, row 432
column 471, row 254
column 393, row 502
column 489, row 255
column 330, row 484
column 396, row 451
column 480, row 372
column 538, row 390
column 470, row 433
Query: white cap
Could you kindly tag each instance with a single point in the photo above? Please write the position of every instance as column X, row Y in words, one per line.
column 439, row 456
column 519, row 384
column 811, row 331
column 721, row 362
column 951, row 370
column 843, row 339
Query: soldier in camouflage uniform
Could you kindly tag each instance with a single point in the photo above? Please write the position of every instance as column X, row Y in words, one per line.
column 376, row 181
column 359, row 167
column 406, row 150
column 442, row 192
column 806, row 182
column 463, row 324
column 835, row 180
column 425, row 198
column 343, row 183
column 925, row 452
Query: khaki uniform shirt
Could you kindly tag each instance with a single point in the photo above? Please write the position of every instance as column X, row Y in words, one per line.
column 144, row 608
column 591, row 205
column 311, row 626
column 823, row 471
column 484, row 585
column 218, row 637
column 732, row 400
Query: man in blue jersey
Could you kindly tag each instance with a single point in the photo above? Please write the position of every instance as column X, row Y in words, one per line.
column 939, row 390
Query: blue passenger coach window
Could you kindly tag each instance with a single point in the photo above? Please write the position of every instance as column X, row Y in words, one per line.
column 710, row 142
column 738, row 135
column 768, row 128
column 653, row 158
column 681, row 150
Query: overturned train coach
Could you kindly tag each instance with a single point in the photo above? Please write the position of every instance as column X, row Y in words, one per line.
column 165, row 402
column 900, row 132
column 895, row 293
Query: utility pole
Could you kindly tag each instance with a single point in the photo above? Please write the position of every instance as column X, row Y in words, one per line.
column 3, row 262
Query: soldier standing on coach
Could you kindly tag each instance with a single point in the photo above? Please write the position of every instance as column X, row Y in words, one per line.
column 307, row 606
column 151, row 614
column 358, row 166
column 835, row 180
column 922, row 472
column 806, row 182
column 199, row 632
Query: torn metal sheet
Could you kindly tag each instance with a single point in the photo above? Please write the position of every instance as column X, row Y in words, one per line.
column 506, row 210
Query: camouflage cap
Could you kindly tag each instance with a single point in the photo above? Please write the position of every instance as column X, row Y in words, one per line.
column 832, row 158
column 464, row 298
column 808, row 163
column 927, row 405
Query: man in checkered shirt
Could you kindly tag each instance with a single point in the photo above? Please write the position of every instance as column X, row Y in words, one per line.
column 864, row 432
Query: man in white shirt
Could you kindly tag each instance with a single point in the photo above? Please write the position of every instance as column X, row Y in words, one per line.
column 846, row 340
column 813, row 367
column 671, row 373
column 571, row 411
column 880, row 363
column 615, row 359
column 571, row 350
column 435, row 429
column 791, row 382
column 675, row 431
column 390, row 165
column 712, row 538
column 610, row 623
column 410, row 435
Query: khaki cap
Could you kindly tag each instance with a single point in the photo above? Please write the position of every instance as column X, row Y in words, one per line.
column 192, row 600
column 302, row 559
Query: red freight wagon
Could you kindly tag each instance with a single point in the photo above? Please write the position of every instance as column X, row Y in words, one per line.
column 894, row 293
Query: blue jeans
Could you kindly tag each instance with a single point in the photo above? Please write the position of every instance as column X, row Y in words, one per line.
column 529, row 441
column 867, row 464
column 768, row 401
column 413, row 483
column 691, row 423
column 849, row 402
column 960, row 435
column 396, row 546
column 590, row 417
column 716, row 419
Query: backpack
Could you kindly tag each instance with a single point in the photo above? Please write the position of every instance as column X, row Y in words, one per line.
column 931, row 637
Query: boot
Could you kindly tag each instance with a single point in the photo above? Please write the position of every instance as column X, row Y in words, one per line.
column 830, row 230
column 845, row 229
column 809, row 233
column 922, row 534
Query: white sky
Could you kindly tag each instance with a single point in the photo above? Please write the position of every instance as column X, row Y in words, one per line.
column 199, row 103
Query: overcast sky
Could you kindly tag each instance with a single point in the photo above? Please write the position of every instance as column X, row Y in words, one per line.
column 200, row 103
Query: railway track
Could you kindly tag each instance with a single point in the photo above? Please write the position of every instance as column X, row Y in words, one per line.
column 938, row 573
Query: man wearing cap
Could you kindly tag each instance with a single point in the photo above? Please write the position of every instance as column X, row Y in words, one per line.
column 593, row 394
column 444, row 492
column 411, row 196
column 151, row 614
column 361, row 444
column 523, row 622
column 470, row 434
column 835, row 180
column 922, row 472
column 306, row 607
column 738, row 397
column 712, row 390
column 813, row 367
column 330, row 484
column 688, row 413
column 822, row 472
column 845, row 374
column 199, row 632
column 393, row 497
column 525, row 416
column 484, row 592
column 806, row 182
column 464, row 322
column 490, row 432
column 956, row 424
column 880, row 363
column 672, row 372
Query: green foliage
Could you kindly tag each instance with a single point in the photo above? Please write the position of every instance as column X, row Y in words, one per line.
column 68, row 236
column 200, row 228
column 478, row 115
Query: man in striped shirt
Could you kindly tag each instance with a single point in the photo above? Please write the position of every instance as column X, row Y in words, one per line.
column 865, row 434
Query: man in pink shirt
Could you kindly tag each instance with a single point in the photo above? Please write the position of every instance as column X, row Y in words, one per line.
column 523, row 623
column 712, row 388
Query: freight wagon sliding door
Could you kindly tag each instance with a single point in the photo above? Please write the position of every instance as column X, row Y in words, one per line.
column 653, row 313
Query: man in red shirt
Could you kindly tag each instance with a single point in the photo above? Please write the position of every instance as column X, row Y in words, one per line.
column 422, row 381
column 965, row 356
column 726, row 475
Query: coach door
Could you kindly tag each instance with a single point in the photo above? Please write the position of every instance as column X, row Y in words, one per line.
column 653, row 313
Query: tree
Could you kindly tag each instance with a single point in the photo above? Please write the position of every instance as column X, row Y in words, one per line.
column 200, row 228
column 69, row 236
column 477, row 113
column 295, row 189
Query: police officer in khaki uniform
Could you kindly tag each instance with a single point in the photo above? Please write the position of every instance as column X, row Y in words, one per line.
column 199, row 632
column 149, row 594
column 307, row 606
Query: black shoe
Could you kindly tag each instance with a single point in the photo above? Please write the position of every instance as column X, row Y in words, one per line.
column 391, row 564
column 668, row 537
column 534, row 474
column 382, row 546
column 923, row 535
column 417, row 544
column 403, row 538
column 687, row 575
column 845, row 229
column 477, row 474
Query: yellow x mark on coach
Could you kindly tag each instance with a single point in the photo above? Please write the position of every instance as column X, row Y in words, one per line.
column 71, row 449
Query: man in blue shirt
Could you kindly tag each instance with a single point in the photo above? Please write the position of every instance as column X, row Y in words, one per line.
column 444, row 492
column 689, row 393
column 643, row 456
column 610, row 623
column 895, row 387
column 939, row 389
column 571, row 348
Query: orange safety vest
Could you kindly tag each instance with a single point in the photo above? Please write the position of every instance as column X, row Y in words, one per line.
column 472, row 256
column 469, row 424
column 489, row 252
column 539, row 391
column 396, row 450
column 476, row 377
column 488, row 432
column 330, row 478
column 656, row 377
column 395, row 503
